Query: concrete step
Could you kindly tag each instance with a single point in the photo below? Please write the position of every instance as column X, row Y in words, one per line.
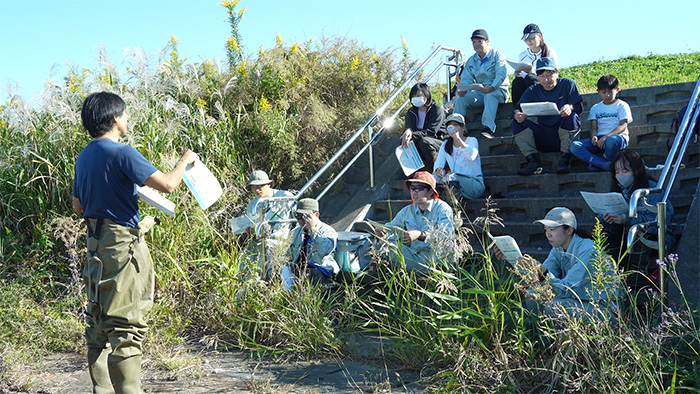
column 523, row 209
column 555, row 185
column 509, row 164
column 649, row 105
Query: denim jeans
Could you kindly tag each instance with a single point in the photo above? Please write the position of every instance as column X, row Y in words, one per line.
column 586, row 151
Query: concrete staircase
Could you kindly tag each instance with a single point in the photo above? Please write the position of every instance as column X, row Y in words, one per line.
column 521, row 200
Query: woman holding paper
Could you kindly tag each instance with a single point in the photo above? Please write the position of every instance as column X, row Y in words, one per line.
column 571, row 268
column 424, row 125
column 536, row 49
column 628, row 173
column 461, row 156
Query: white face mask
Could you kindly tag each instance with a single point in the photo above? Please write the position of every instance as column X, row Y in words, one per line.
column 625, row 180
column 418, row 101
column 451, row 129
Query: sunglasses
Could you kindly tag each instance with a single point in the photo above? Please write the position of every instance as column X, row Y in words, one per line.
column 418, row 188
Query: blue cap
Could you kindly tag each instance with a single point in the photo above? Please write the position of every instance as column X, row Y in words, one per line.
column 546, row 63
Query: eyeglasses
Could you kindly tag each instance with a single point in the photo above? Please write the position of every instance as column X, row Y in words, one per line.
column 418, row 188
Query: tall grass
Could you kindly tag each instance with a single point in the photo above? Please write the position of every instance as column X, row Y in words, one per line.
column 286, row 111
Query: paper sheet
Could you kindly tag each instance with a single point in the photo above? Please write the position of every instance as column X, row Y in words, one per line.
column 240, row 224
column 409, row 159
column 386, row 228
column 465, row 87
column 602, row 203
column 508, row 246
column 520, row 66
column 152, row 197
column 203, row 184
column 539, row 109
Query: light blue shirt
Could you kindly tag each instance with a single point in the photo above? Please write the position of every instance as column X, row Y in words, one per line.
column 322, row 243
column 437, row 221
column 274, row 210
column 489, row 71
column 570, row 271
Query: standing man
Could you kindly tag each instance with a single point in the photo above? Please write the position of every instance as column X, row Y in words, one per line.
column 550, row 133
column 272, row 210
column 119, row 272
column 487, row 67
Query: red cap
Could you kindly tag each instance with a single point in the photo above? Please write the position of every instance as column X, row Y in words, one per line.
column 425, row 178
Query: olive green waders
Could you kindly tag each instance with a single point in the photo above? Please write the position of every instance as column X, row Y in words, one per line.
column 119, row 280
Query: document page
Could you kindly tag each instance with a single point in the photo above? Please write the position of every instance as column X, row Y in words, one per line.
column 602, row 203
column 409, row 159
column 152, row 197
column 240, row 224
column 539, row 109
column 520, row 66
column 507, row 245
column 465, row 87
column 203, row 184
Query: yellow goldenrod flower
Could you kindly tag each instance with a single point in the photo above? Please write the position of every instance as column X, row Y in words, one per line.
column 375, row 58
column 263, row 105
column 403, row 43
column 354, row 63
column 243, row 69
column 232, row 45
column 201, row 103
column 278, row 39
column 240, row 13
column 294, row 48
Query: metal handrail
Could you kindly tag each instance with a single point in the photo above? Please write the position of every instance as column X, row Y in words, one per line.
column 374, row 119
column 675, row 155
column 666, row 180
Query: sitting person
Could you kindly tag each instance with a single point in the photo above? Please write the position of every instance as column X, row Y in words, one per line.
column 274, row 234
column 428, row 220
column 550, row 133
column 424, row 124
column 609, row 134
column 313, row 244
column 570, row 266
column 461, row 154
column 628, row 174
column 536, row 49
column 488, row 68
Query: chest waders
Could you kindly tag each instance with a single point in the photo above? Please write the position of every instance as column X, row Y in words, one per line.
column 120, row 279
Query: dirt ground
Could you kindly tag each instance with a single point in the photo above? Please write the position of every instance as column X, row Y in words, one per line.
column 233, row 372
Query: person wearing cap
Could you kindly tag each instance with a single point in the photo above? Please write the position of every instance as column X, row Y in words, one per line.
column 274, row 234
column 427, row 221
column 312, row 247
column 424, row 124
column 486, row 67
column 536, row 49
column 460, row 154
column 551, row 133
column 570, row 267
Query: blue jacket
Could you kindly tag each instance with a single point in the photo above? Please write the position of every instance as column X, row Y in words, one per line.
column 570, row 271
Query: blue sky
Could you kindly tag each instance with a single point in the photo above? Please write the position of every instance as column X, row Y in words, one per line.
column 39, row 37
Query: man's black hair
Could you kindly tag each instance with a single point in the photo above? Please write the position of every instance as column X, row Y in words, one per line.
column 99, row 110
column 608, row 81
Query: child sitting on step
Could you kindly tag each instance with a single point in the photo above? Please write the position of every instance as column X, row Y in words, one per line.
column 609, row 134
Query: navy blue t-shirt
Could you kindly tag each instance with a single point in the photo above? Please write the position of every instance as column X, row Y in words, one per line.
column 565, row 92
column 106, row 176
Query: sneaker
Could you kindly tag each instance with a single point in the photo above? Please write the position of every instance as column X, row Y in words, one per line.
column 487, row 133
